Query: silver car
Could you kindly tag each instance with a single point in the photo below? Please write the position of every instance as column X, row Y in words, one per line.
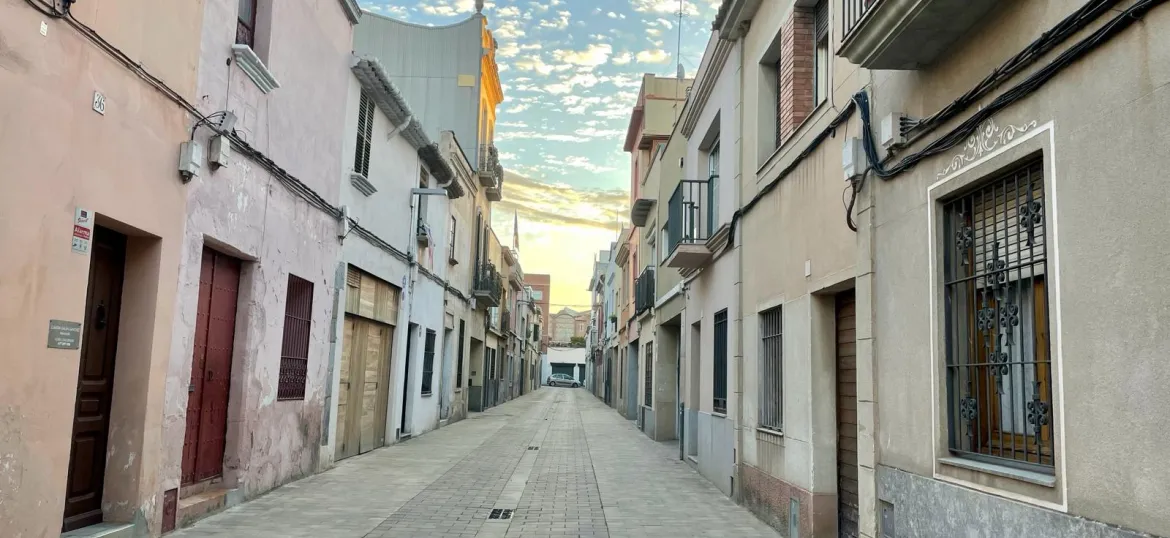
column 562, row 380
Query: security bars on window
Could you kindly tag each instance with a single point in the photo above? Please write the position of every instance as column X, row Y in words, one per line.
column 649, row 368
column 428, row 362
column 999, row 376
column 771, row 380
column 719, row 404
column 294, row 355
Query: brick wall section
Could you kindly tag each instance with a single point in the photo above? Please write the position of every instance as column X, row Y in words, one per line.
column 797, row 54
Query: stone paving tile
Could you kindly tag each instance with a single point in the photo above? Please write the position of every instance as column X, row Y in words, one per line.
column 647, row 491
column 593, row 475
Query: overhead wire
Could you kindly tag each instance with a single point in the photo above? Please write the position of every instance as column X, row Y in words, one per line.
column 289, row 181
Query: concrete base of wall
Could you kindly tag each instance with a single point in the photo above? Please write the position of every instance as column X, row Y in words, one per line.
column 771, row 500
column 648, row 422
column 924, row 507
column 716, row 437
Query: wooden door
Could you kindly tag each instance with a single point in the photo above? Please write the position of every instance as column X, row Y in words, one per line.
column 95, row 381
column 211, row 367
column 348, row 436
column 375, row 383
column 847, row 501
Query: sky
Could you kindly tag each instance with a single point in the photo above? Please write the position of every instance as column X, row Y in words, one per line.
column 570, row 70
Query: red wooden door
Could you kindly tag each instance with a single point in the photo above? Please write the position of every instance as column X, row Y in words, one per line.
column 95, row 381
column 211, row 367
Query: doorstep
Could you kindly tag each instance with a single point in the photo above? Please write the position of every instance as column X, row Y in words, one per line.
column 103, row 530
column 197, row 506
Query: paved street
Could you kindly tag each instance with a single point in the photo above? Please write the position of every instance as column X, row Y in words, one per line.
column 563, row 462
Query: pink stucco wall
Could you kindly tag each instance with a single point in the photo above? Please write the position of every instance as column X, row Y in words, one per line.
column 56, row 154
column 242, row 210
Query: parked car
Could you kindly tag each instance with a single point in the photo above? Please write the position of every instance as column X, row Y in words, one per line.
column 562, row 380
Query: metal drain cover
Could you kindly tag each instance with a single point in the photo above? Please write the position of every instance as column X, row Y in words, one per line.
column 500, row 513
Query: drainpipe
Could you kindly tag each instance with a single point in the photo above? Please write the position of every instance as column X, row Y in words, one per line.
column 739, row 374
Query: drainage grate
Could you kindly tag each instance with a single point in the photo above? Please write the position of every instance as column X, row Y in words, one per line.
column 500, row 513
column 533, row 448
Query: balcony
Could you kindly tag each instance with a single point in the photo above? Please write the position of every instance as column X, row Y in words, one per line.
column 640, row 211
column 495, row 192
column 690, row 223
column 489, row 163
column 906, row 34
column 488, row 288
column 644, row 294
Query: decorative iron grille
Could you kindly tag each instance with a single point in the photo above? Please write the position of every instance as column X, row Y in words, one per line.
column 294, row 355
column 719, row 403
column 771, row 381
column 999, row 376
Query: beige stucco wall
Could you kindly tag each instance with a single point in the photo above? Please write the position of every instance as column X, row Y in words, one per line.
column 1100, row 126
column 798, row 251
column 59, row 154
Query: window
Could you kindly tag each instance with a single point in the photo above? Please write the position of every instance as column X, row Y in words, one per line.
column 649, row 388
column 712, row 188
column 459, row 354
column 451, row 242
column 821, row 52
column 246, row 23
column 771, row 380
column 719, row 403
column 365, row 134
column 428, row 363
column 423, row 183
column 294, row 354
column 999, row 376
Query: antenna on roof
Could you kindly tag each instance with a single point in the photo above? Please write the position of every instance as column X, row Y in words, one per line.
column 479, row 6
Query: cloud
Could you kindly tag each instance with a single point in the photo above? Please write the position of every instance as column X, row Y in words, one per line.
column 560, row 204
column 656, row 56
column 593, row 55
column 509, row 11
column 559, row 23
column 508, row 30
column 516, row 110
column 533, row 135
column 536, row 63
column 653, row 32
column 623, row 58
column 600, row 133
column 576, row 161
column 669, row 7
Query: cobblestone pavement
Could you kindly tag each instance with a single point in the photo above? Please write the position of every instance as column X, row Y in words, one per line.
column 559, row 459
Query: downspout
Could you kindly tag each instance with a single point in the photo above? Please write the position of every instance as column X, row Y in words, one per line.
column 739, row 374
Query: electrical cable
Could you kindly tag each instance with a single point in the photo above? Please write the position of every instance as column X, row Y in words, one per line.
column 1014, row 94
column 290, row 182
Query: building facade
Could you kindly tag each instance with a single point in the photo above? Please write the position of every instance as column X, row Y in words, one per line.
column 92, row 225
column 542, row 291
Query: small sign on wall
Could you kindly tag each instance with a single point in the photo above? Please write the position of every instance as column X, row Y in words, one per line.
column 64, row 334
column 82, row 230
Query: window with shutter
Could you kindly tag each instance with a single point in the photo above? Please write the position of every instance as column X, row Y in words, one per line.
column 365, row 135
column 821, row 59
column 999, row 375
column 719, row 401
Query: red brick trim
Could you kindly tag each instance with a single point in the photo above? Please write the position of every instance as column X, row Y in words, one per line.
column 797, row 70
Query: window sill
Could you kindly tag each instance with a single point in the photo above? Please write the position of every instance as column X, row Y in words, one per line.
column 254, row 68
column 770, row 433
column 427, row 394
column 361, row 183
column 719, row 414
column 785, row 147
column 1032, row 477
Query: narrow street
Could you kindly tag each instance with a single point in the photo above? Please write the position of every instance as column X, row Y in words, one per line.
column 591, row 474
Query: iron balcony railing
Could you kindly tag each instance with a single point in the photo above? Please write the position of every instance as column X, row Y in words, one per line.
column 488, row 285
column 506, row 321
column 854, row 12
column 644, row 291
column 689, row 213
column 489, row 164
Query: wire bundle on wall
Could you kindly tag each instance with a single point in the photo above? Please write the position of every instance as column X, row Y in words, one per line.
column 292, row 183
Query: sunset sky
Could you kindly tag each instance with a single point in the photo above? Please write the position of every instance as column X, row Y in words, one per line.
column 571, row 71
